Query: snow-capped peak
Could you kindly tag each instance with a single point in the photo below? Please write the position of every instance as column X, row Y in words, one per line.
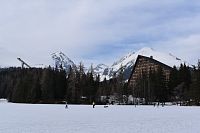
column 123, row 59
column 99, row 69
column 100, row 66
column 167, row 59
column 61, row 59
column 128, row 61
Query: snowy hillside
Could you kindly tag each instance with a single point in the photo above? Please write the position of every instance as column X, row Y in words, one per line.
column 60, row 59
column 127, row 62
column 130, row 59
column 101, row 70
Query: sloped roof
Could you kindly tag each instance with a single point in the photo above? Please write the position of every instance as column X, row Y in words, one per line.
column 149, row 58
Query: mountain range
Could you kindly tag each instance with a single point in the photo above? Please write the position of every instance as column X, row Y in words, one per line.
column 126, row 62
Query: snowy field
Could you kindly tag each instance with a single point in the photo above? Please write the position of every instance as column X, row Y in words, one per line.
column 27, row 118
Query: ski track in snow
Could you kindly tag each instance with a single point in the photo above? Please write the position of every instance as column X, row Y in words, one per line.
column 37, row 118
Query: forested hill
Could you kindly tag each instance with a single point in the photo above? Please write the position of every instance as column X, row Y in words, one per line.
column 52, row 85
column 32, row 85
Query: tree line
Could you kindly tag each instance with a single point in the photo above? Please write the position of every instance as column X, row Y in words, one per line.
column 55, row 85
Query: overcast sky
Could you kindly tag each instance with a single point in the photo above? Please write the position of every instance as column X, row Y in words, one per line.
column 97, row 31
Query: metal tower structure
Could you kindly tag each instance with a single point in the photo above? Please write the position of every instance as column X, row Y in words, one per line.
column 23, row 63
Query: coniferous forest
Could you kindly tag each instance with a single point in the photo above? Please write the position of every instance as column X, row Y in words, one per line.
column 54, row 85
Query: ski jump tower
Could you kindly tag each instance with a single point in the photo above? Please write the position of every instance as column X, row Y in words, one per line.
column 23, row 63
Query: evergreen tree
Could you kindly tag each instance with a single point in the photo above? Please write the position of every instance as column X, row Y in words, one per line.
column 120, row 84
column 194, row 91
column 184, row 77
column 48, row 85
column 161, row 93
column 60, row 84
column 71, row 89
column 91, row 87
column 173, row 83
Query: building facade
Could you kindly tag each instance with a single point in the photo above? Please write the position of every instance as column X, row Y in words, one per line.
column 143, row 66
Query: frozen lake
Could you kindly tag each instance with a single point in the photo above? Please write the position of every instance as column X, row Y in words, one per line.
column 27, row 118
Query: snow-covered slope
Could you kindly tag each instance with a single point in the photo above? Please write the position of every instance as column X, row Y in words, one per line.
column 103, row 71
column 100, row 68
column 60, row 59
column 128, row 61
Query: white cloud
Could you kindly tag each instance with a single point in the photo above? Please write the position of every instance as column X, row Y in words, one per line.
column 33, row 30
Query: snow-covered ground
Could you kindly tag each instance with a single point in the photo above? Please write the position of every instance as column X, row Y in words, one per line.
column 29, row 118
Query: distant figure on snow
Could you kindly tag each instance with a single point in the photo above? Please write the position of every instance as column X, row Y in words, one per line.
column 105, row 106
column 66, row 105
column 93, row 104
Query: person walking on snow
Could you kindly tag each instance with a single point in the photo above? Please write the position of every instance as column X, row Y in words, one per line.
column 93, row 104
column 66, row 106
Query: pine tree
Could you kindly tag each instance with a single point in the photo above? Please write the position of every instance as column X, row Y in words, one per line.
column 161, row 93
column 194, row 91
column 60, row 84
column 120, row 84
column 48, row 85
column 91, row 85
column 173, row 83
column 71, row 89
column 184, row 76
